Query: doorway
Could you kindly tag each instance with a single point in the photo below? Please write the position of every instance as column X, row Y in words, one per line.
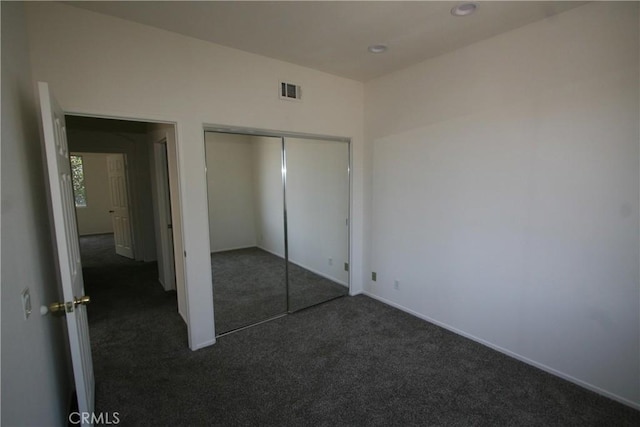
column 138, row 174
column 104, row 177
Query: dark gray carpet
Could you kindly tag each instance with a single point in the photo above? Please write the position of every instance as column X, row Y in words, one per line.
column 249, row 286
column 307, row 288
column 120, row 288
column 351, row 361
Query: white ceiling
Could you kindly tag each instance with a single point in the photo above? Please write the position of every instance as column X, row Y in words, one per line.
column 334, row 36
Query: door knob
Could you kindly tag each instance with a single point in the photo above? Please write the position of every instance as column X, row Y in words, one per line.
column 56, row 309
column 84, row 300
column 60, row 308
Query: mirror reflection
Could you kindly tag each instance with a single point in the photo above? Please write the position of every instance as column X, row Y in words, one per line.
column 278, row 224
column 246, row 226
column 317, row 206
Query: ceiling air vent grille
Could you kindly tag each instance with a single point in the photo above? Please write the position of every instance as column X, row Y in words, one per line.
column 290, row 91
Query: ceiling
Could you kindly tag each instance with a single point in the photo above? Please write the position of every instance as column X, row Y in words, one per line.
column 334, row 36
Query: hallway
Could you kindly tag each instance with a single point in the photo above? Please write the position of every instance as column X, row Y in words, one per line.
column 130, row 313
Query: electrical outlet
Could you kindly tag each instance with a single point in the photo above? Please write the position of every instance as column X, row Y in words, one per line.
column 374, row 276
column 396, row 285
column 330, row 261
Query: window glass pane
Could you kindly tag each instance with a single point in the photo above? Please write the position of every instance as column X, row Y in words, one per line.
column 77, row 175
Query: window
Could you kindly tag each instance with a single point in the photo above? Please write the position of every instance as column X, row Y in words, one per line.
column 77, row 176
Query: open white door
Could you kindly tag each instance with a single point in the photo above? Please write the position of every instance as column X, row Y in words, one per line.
column 67, row 246
column 166, row 267
column 119, row 204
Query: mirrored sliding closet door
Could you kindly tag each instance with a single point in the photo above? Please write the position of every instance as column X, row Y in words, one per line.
column 317, row 213
column 246, row 226
column 278, row 223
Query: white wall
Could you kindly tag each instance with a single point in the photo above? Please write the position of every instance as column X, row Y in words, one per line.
column 268, row 197
column 94, row 218
column 512, row 210
column 318, row 206
column 35, row 375
column 230, row 187
column 164, row 76
column 136, row 149
column 505, row 193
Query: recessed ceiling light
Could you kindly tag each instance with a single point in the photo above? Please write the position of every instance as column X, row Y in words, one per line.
column 378, row 48
column 464, row 9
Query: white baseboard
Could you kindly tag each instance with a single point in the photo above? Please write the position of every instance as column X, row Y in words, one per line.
column 165, row 287
column 203, row 345
column 509, row 353
column 94, row 233
column 307, row 268
column 333, row 279
column 292, row 262
column 233, row 249
column 270, row 251
column 184, row 318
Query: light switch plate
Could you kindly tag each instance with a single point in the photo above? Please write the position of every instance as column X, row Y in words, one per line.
column 26, row 303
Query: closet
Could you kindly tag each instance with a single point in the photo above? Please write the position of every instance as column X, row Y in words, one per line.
column 278, row 223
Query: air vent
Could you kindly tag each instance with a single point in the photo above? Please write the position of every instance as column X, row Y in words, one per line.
column 290, row 91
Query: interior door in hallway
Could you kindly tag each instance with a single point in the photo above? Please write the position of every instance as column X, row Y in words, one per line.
column 166, row 266
column 120, row 215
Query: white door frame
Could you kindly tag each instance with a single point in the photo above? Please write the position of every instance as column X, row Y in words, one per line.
column 161, row 196
column 176, row 203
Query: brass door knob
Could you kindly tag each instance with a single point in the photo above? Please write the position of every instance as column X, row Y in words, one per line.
column 57, row 308
column 60, row 308
column 84, row 300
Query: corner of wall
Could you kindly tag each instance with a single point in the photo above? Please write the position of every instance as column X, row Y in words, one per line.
column 35, row 362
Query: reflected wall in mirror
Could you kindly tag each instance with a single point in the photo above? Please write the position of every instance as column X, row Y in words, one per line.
column 317, row 207
column 246, row 226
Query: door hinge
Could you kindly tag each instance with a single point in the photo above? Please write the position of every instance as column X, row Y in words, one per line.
column 346, row 266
